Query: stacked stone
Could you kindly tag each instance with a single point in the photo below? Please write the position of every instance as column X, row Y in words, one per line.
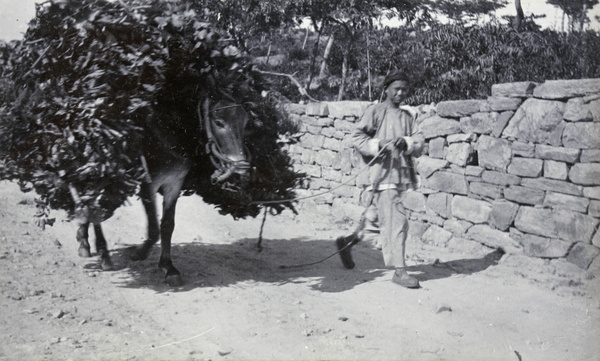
column 324, row 153
column 518, row 171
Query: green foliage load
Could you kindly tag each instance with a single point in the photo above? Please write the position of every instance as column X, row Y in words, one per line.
column 92, row 78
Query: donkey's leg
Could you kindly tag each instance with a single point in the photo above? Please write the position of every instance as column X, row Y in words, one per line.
column 82, row 238
column 167, row 225
column 102, row 249
column 148, row 195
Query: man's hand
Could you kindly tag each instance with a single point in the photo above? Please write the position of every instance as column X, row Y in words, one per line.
column 401, row 144
column 387, row 145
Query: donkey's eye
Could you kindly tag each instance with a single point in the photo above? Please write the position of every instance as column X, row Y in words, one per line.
column 219, row 123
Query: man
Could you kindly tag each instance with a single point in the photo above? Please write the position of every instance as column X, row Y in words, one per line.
column 387, row 136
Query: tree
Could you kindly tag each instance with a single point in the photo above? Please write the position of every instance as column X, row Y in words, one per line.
column 347, row 22
column 464, row 11
column 576, row 11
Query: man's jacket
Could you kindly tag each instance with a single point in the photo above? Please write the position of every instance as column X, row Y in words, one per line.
column 386, row 122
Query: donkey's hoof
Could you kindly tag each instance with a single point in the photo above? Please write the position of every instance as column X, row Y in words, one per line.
column 174, row 280
column 107, row 265
column 84, row 252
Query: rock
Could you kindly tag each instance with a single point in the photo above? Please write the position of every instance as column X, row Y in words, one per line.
column 437, row 148
column 343, row 318
column 543, row 247
column 426, row 166
column 552, row 185
column 447, row 182
column 526, row 167
column 471, row 210
column 596, row 239
column 563, row 89
column 555, row 170
column 318, row 109
column 473, row 170
column 479, row 123
column 582, row 254
column 443, row 308
column 224, row 350
column 494, row 153
column 525, row 150
column 58, row 314
column 594, row 208
column 312, row 141
column 577, row 111
column 500, row 178
column 457, row 227
column 416, row 228
column 536, row 221
column 500, row 104
column 565, row 201
column 538, row 121
column 585, row 174
column 440, row 203
column 514, row 90
column 343, row 109
column 485, row 190
column 461, row 138
column 414, row 201
column 582, row 135
column 460, row 108
column 559, row 154
column 591, row 192
column 562, row 224
column 503, row 214
column 494, row 238
column 333, row 144
column 501, row 123
column 459, row 153
column 574, row 226
column 436, row 235
column 590, row 155
column 437, row 126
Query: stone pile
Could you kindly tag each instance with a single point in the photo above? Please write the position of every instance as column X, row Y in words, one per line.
column 518, row 171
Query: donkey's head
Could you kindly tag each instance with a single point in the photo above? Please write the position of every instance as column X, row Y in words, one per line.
column 225, row 122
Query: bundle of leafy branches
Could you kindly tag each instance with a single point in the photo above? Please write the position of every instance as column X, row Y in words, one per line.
column 92, row 77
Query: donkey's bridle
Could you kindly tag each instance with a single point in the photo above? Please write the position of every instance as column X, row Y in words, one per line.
column 224, row 165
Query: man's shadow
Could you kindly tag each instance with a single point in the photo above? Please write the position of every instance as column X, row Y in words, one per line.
column 468, row 266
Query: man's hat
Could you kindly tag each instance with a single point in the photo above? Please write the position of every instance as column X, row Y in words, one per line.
column 393, row 76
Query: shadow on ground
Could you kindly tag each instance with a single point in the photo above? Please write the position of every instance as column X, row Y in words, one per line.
column 438, row 270
column 280, row 262
column 223, row 265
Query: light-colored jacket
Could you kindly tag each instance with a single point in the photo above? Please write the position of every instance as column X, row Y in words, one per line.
column 385, row 122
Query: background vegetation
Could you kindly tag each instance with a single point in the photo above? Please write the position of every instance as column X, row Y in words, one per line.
column 343, row 50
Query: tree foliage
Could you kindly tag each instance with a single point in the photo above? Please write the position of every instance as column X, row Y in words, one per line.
column 91, row 77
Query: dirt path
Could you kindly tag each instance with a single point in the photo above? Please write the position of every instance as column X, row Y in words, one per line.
column 239, row 304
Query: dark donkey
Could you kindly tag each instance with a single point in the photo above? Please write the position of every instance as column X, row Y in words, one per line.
column 222, row 123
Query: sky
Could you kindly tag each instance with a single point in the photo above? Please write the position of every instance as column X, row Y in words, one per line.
column 15, row 15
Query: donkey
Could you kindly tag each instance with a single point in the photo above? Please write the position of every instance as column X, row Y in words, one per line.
column 223, row 123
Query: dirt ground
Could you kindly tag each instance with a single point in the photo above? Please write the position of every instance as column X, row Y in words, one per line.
column 238, row 303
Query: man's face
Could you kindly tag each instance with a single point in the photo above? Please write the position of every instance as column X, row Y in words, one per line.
column 397, row 91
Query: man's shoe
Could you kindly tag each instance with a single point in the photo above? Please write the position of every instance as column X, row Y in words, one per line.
column 344, row 244
column 403, row 279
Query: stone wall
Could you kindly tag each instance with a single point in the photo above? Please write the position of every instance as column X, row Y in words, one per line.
column 518, row 171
